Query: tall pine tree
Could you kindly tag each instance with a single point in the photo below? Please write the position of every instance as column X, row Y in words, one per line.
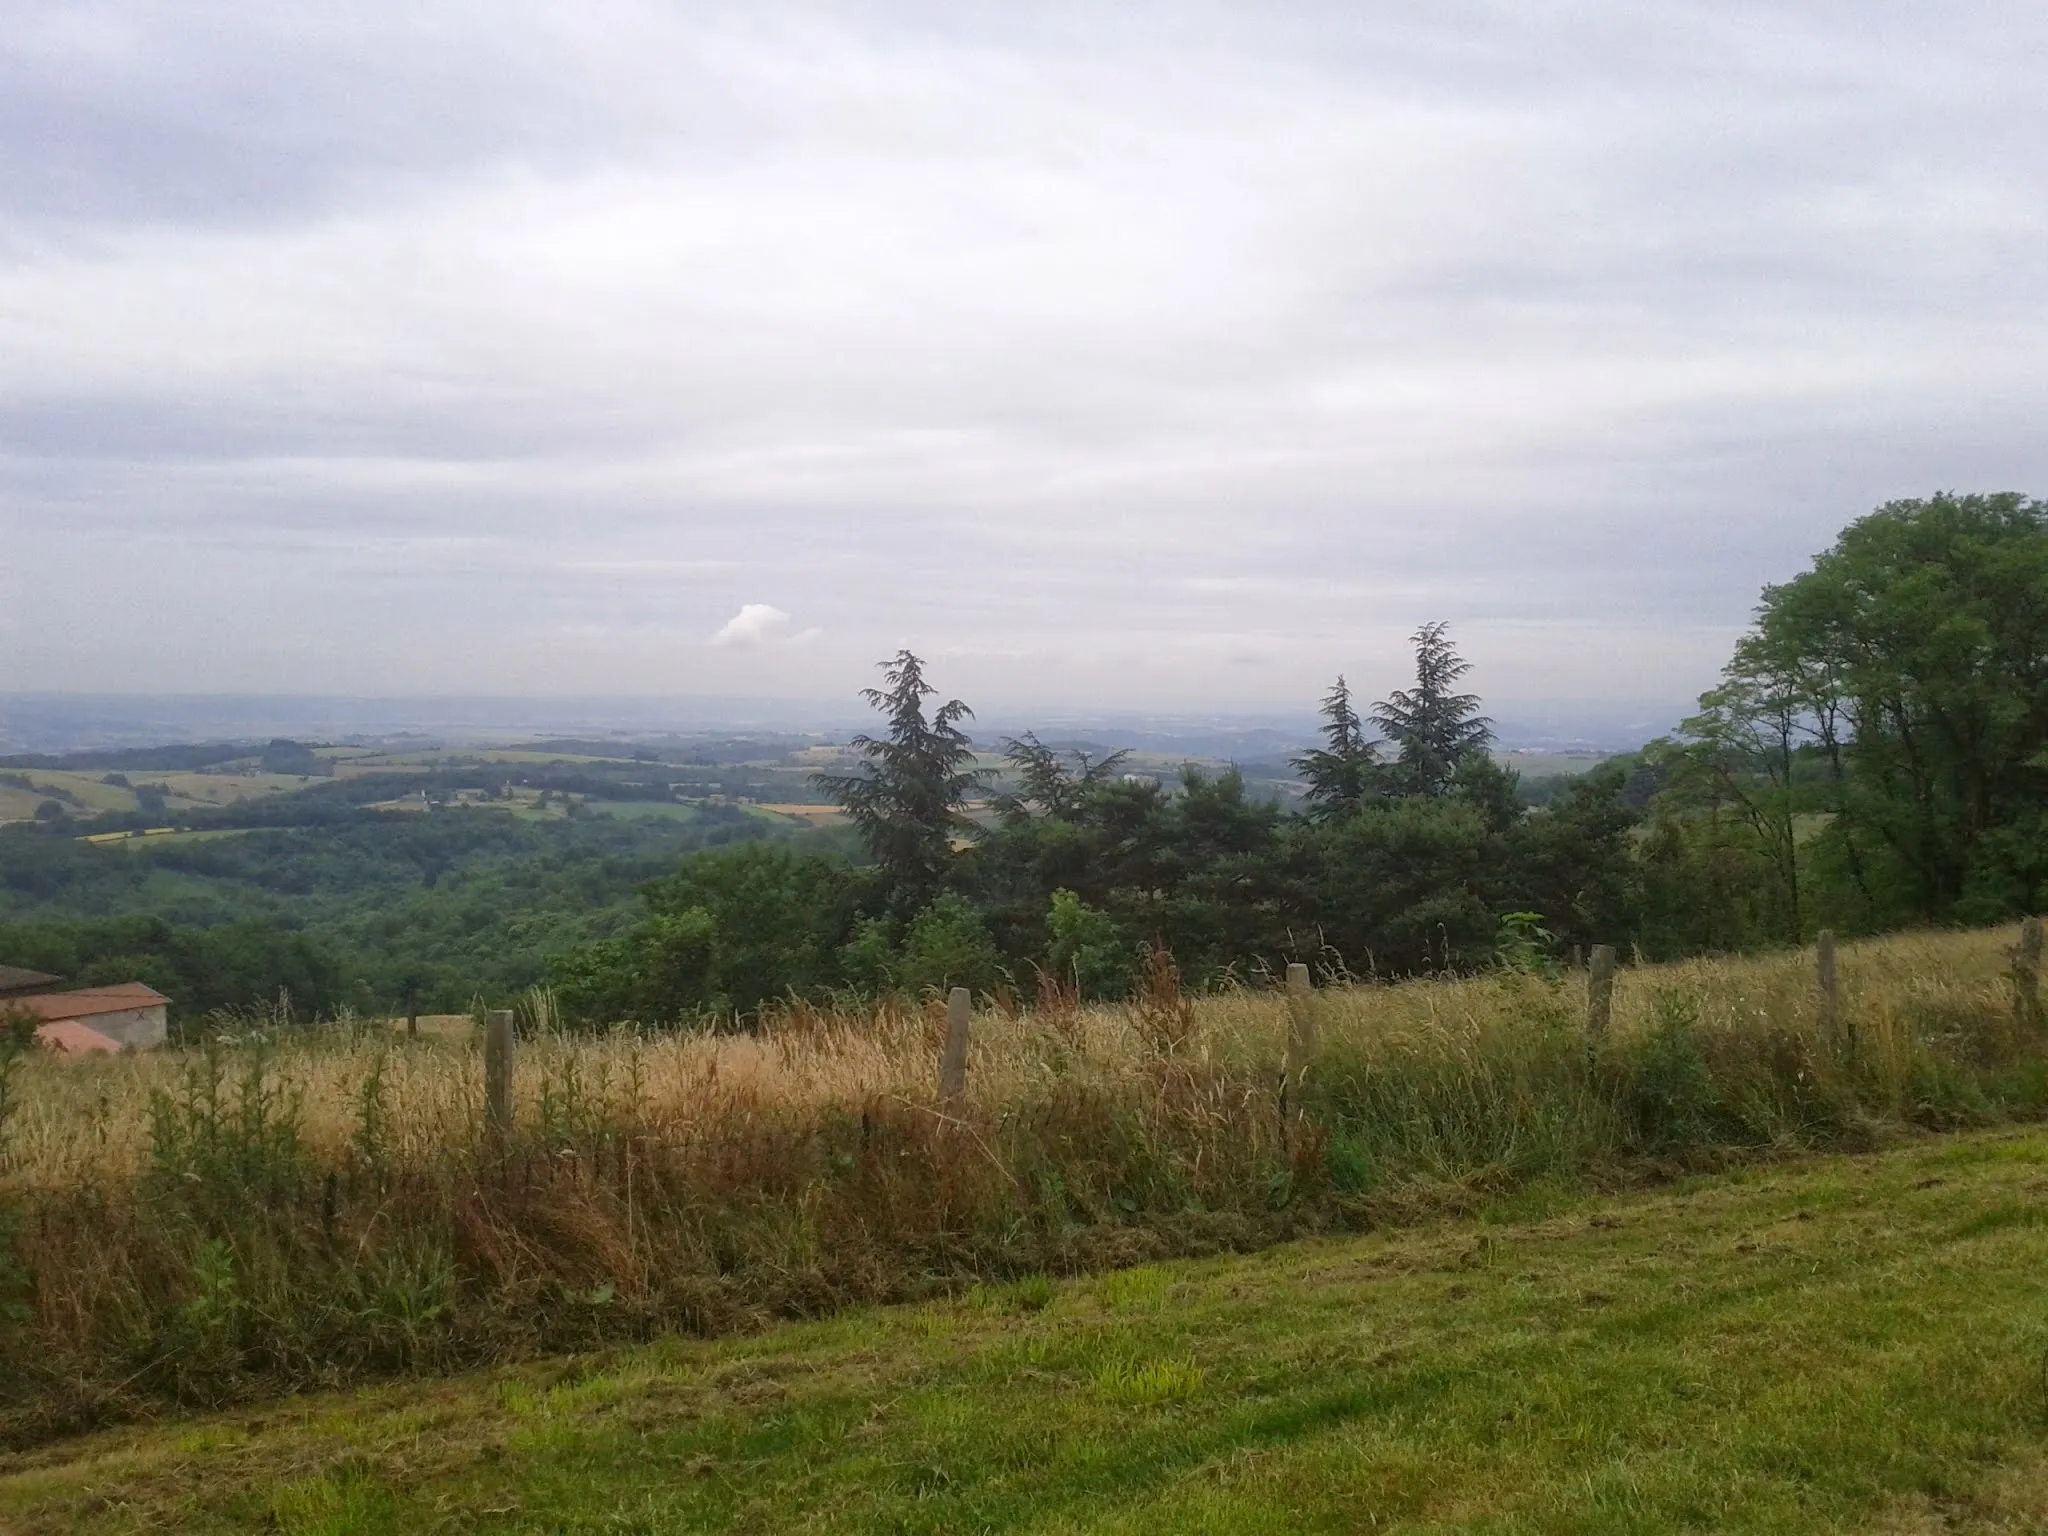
column 1344, row 774
column 1051, row 782
column 1432, row 729
column 907, row 799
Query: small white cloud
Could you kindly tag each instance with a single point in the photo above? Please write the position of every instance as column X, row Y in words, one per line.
column 754, row 624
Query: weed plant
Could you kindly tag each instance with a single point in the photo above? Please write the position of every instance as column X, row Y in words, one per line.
column 288, row 1207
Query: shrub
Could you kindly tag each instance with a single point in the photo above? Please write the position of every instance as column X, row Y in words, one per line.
column 948, row 945
column 1670, row 1091
column 1086, row 951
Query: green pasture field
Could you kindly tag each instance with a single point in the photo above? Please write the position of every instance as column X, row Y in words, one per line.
column 197, row 789
column 640, row 810
column 356, row 768
column 1851, row 1343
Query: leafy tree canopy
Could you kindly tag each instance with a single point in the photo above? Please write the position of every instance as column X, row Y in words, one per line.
column 1914, row 654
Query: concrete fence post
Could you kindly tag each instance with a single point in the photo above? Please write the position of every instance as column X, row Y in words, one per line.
column 953, row 1065
column 498, row 1070
column 1301, row 1022
column 2026, row 973
column 1600, row 992
column 1827, row 979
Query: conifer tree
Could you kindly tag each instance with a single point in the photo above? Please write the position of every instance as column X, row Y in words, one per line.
column 1432, row 729
column 1051, row 782
column 1347, row 772
column 906, row 800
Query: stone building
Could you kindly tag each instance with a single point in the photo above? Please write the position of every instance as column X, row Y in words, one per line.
column 130, row 1014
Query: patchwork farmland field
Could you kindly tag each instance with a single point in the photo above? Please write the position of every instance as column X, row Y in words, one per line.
column 86, row 793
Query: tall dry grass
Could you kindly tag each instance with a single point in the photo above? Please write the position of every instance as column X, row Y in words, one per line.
column 286, row 1208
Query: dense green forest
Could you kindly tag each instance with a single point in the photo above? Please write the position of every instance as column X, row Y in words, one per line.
column 1876, row 754
column 367, row 909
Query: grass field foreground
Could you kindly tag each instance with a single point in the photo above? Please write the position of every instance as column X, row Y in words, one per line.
column 1848, row 1344
column 322, row 1208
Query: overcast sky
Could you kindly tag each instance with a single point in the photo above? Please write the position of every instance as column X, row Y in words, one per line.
column 1112, row 355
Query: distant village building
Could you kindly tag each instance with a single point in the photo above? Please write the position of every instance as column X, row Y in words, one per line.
column 130, row 1014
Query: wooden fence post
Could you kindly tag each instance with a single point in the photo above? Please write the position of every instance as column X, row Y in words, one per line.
column 1578, row 959
column 498, row 1070
column 1600, row 992
column 1301, row 1022
column 2026, row 973
column 1827, row 980
column 953, row 1065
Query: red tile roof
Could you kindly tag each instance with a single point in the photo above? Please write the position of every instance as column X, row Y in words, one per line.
column 68, row 1037
column 89, row 1002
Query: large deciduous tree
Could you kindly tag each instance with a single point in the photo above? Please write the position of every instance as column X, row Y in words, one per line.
column 1924, row 633
column 1740, row 755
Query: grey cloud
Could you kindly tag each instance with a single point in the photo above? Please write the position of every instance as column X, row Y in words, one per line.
column 1143, row 352
column 117, row 112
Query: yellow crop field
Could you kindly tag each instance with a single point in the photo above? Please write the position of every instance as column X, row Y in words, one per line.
column 157, row 837
column 815, row 815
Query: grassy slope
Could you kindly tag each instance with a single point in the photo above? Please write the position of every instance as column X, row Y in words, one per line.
column 1847, row 1344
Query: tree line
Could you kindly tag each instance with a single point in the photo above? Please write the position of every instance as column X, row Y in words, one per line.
column 1875, row 754
column 1413, row 850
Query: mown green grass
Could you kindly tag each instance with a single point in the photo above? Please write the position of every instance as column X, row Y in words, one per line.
column 1849, row 1343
